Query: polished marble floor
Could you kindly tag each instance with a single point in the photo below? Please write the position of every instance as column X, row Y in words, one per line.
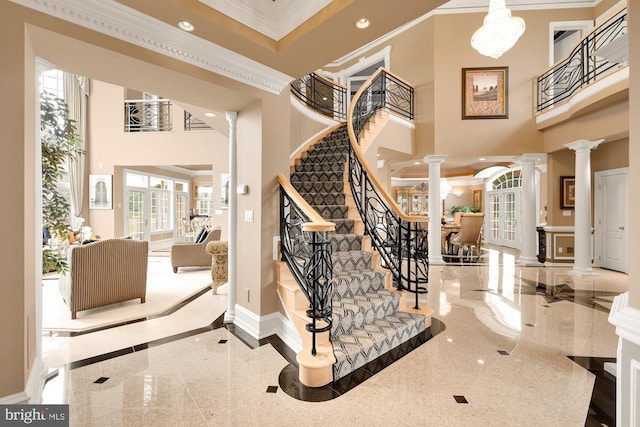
column 505, row 356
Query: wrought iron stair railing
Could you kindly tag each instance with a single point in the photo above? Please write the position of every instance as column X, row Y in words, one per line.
column 603, row 50
column 401, row 239
column 147, row 115
column 322, row 95
column 306, row 249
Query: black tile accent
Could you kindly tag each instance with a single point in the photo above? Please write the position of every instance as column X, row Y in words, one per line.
column 504, row 353
column 531, row 325
column 167, row 312
column 272, row 389
column 602, row 408
column 289, row 379
column 460, row 399
column 101, row 380
column 222, row 341
column 564, row 292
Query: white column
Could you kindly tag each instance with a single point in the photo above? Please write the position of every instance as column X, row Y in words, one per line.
column 582, row 228
column 230, row 315
column 528, row 216
column 435, row 209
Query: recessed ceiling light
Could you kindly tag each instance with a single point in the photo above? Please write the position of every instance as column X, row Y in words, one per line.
column 362, row 23
column 482, row 159
column 186, row 25
column 417, row 163
column 210, row 114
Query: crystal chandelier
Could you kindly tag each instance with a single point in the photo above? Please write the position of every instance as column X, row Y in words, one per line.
column 499, row 32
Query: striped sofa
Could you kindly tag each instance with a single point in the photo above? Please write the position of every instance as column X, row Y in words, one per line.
column 105, row 272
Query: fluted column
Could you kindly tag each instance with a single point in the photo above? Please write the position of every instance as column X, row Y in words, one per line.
column 528, row 216
column 230, row 315
column 582, row 228
column 435, row 209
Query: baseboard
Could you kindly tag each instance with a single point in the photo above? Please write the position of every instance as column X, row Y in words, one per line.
column 626, row 319
column 32, row 393
column 263, row 326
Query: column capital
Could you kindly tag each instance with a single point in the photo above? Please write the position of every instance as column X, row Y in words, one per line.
column 583, row 144
column 435, row 159
column 232, row 116
column 530, row 157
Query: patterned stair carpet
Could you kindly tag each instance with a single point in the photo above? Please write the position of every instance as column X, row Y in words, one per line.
column 366, row 320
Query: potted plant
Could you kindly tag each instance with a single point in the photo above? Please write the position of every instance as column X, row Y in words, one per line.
column 60, row 141
column 465, row 209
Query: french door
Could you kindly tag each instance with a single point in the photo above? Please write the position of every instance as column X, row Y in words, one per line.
column 136, row 224
column 181, row 211
column 504, row 209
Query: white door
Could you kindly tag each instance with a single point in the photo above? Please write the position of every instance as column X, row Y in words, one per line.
column 610, row 219
column 501, row 227
column 136, row 221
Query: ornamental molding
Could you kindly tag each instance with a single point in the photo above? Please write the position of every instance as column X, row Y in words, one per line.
column 123, row 23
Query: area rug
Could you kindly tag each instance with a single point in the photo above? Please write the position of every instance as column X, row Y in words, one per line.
column 165, row 290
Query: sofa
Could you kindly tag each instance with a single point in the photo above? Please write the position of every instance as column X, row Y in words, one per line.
column 190, row 254
column 104, row 272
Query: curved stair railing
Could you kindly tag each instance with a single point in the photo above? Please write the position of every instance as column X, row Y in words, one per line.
column 305, row 248
column 400, row 239
column 322, row 95
column 598, row 53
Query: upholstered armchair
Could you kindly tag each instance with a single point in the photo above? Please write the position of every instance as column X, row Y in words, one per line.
column 189, row 254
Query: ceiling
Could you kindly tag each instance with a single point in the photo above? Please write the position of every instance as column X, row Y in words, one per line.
column 266, row 43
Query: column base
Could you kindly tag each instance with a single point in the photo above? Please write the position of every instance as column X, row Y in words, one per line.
column 529, row 261
column 437, row 260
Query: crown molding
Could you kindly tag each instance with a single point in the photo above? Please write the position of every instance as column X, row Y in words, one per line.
column 273, row 19
column 121, row 22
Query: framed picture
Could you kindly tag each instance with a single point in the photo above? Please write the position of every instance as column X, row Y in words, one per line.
column 567, row 192
column 485, row 93
column 477, row 199
column 100, row 191
column 224, row 191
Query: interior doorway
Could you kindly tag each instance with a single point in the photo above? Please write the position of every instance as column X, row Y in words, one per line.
column 611, row 219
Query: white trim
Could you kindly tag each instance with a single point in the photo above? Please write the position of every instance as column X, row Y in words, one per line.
column 584, row 26
column 634, row 391
column 315, row 137
column 584, row 94
column 263, row 326
column 383, row 55
column 625, row 318
column 32, row 393
column 559, row 228
column 121, row 22
column 555, row 244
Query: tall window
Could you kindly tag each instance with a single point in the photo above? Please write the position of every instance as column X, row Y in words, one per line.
column 160, row 203
column 204, row 202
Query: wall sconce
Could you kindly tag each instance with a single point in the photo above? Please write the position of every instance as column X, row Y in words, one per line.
column 457, row 193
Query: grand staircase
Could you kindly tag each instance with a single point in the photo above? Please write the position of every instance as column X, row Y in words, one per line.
column 369, row 315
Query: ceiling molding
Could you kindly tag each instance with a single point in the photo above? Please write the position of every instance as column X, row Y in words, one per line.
column 274, row 19
column 121, row 22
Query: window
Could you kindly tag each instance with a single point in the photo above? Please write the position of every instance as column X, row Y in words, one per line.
column 204, row 202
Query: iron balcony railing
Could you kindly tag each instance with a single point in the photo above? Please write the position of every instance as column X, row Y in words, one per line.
column 401, row 239
column 306, row 249
column 191, row 122
column 603, row 50
column 322, row 95
column 147, row 115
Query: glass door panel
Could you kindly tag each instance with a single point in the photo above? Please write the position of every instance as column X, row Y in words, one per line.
column 136, row 215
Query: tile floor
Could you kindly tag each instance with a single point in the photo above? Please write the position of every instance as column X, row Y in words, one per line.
column 502, row 359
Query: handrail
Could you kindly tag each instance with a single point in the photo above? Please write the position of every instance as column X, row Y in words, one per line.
column 322, row 95
column 401, row 239
column 147, row 115
column 582, row 66
column 306, row 249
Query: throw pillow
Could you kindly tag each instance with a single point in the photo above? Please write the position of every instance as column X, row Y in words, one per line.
column 203, row 237
column 199, row 235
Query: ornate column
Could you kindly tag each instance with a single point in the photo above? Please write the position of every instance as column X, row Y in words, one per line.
column 435, row 209
column 528, row 217
column 230, row 315
column 582, row 227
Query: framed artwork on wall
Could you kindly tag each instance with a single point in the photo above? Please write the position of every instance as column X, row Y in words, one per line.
column 100, row 191
column 477, row 199
column 567, row 192
column 485, row 93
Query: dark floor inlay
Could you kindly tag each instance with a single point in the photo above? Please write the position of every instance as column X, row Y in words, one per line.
column 504, row 353
column 272, row 389
column 101, row 380
column 602, row 408
column 222, row 342
column 529, row 324
column 460, row 399
column 564, row 292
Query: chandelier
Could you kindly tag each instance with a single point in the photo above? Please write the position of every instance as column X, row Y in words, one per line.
column 499, row 32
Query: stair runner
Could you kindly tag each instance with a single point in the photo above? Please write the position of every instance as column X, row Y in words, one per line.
column 366, row 321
